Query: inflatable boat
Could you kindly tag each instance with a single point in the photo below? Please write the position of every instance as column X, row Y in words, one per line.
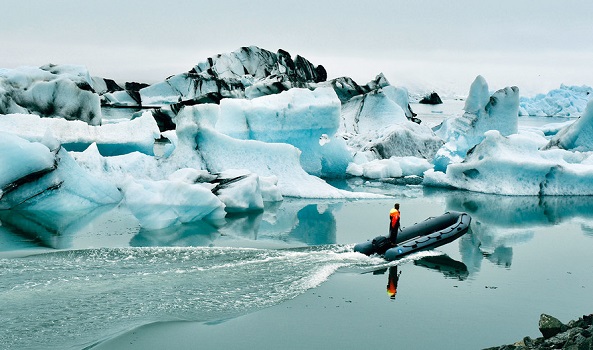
column 430, row 233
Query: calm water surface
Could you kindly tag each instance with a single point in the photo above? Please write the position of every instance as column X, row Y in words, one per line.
column 71, row 281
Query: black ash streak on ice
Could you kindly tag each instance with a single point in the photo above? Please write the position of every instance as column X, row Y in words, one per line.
column 75, row 298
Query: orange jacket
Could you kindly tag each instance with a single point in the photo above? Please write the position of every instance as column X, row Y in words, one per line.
column 394, row 218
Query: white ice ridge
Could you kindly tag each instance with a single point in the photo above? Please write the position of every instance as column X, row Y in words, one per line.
column 112, row 139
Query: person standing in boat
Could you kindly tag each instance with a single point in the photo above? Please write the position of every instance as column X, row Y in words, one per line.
column 394, row 223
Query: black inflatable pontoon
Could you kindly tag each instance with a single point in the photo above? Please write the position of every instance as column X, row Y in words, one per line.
column 430, row 233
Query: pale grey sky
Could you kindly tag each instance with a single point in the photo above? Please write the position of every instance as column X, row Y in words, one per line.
column 536, row 45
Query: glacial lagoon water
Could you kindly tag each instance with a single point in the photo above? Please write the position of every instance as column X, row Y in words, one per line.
column 288, row 277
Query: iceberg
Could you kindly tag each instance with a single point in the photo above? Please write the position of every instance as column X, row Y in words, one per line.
column 493, row 166
column 377, row 126
column 111, row 139
column 482, row 113
column 247, row 72
column 159, row 204
column 577, row 136
column 35, row 177
column 303, row 118
column 221, row 152
column 50, row 91
column 566, row 101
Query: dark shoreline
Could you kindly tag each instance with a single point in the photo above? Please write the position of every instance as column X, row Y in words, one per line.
column 575, row 335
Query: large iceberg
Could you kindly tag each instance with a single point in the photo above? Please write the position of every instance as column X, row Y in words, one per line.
column 378, row 129
column 507, row 161
column 494, row 166
column 247, row 72
column 50, row 91
column 566, row 101
column 305, row 119
column 482, row 113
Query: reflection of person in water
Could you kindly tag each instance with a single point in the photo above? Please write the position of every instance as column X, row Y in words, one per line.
column 392, row 281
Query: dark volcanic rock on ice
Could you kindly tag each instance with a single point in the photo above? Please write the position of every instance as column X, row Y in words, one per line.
column 50, row 91
column 246, row 73
column 432, row 99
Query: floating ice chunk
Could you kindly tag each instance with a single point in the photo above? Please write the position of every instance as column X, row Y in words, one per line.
column 482, row 113
column 405, row 139
column 299, row 117
column 221, row 152
column 34, row 177
column 239, row 190
column 577, row 136
column 377, row 121
column 159, row 204
column 494, row 167
column 111, row 139
column 390, row 168
column 20, row 158
column 366, row 113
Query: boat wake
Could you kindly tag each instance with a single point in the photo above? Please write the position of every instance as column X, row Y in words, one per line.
column 69, row 299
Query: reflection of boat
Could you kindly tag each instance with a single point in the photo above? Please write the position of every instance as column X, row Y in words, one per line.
column 430, row 233
column 443, row 263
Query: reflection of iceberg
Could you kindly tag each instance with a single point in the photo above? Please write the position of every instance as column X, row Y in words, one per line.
column 587, row 229
column 501, row 222
column 520, row 211
column 195, row 234
column 449, row 267
column 315, row 225
column 48, row 228
column 288, row 221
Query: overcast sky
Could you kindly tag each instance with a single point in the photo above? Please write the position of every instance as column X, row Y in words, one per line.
column 430, row 44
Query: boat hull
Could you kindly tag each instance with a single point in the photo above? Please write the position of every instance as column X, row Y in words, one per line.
column 428, row 234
